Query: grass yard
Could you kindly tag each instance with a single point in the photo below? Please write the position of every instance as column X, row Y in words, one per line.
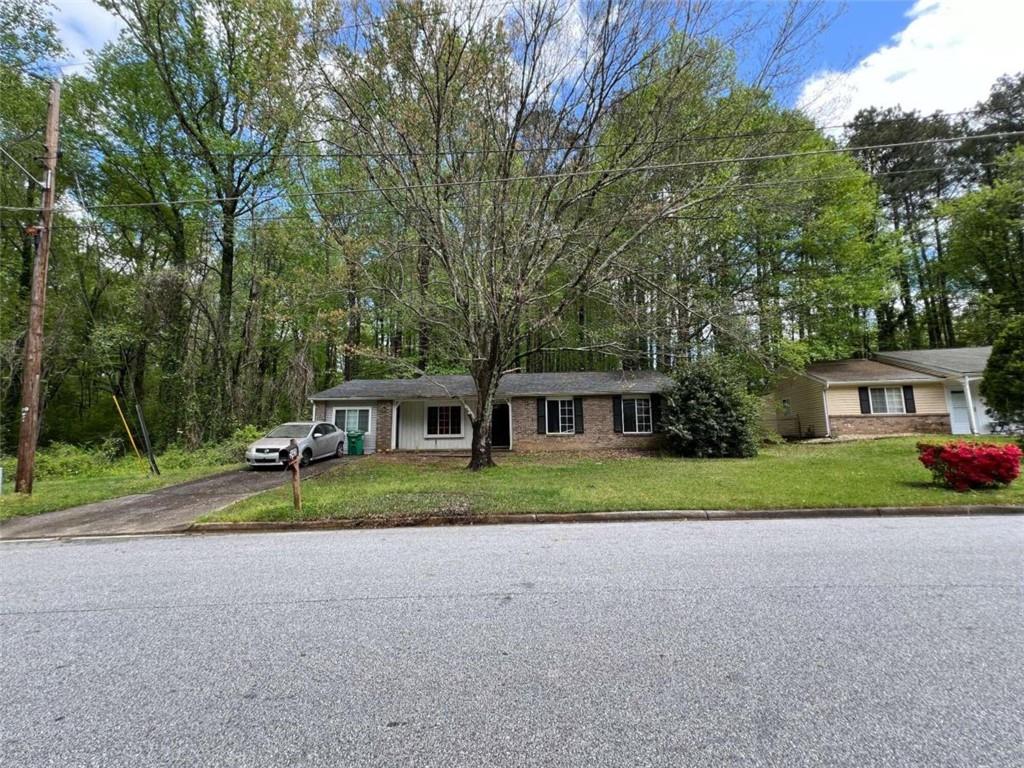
column 121, row 479
column 872, row 473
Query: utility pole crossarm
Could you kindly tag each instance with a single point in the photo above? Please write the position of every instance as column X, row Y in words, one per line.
column 31, row 381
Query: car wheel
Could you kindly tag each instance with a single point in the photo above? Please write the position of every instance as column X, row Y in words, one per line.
column 307, row 456
column 341, row 449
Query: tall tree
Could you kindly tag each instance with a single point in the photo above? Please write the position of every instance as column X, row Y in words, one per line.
column 1002, row 111
column 28, row 47
column 986, row 246
column 915, row 176
column 489, row 133
column 231, row 72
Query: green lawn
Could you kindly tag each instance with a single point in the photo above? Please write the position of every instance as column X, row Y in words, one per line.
column 122, row 479
column 869, row 473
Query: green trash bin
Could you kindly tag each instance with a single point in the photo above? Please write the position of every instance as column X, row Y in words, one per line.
column 355, row 443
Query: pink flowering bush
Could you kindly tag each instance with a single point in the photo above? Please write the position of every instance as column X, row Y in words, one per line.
column 962, row 465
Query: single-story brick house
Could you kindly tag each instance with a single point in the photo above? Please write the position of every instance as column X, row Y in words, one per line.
column 534, row 411
column 926, row 391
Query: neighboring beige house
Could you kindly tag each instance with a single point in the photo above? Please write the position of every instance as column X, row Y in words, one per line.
column 534, row 412
column 917, row 391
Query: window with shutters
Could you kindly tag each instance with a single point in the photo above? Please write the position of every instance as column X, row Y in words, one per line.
column 887, row 400
column 444, row 421
column 561, row 416
column 636, row 416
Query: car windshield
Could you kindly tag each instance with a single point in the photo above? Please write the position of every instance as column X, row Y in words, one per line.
column 290, row 430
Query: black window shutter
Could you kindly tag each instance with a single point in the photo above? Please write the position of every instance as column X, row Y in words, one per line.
column 865, row 399
column 908, row 399
column 540, row 416
column 577, row 407
column 656, row 413
column 617, row 413
column 432, row 420
column 456, row 419
column 554, row 416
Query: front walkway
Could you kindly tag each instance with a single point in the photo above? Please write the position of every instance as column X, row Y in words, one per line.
column 166, row 510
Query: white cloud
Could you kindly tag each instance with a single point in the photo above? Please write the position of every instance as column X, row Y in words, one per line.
column 946, row 59
column 83, row 26
column 567, row 43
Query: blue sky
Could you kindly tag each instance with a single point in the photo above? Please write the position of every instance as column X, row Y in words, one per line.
column 862, row 28
column 927, row 55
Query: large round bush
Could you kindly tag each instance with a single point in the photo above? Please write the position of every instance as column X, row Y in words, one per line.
column 708, row 413
column 1003, row 383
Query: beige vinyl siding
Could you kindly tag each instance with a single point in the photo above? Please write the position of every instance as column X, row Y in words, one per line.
column 806, row 406
column 930, row 398
column 844, row 399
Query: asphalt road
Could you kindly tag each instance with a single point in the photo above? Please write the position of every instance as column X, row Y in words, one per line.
column 780, row 643
column 165, row 510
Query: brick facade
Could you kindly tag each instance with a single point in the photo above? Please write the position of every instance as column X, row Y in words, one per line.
column 598, row 431
column 384, row 411
column 890, row 425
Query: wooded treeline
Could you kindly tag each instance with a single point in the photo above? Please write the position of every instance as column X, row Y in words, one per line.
column 260, row 198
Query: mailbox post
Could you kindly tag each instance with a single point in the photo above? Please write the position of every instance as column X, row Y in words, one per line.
column 290, row 456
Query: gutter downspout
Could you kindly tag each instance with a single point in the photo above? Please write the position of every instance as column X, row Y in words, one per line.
column 824, row 404
column 970, row 405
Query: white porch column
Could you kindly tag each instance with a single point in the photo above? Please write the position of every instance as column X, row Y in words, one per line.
column 970, row 406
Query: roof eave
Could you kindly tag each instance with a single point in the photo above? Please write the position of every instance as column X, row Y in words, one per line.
column 324, row 397
column 883, row 382
column 933, row 370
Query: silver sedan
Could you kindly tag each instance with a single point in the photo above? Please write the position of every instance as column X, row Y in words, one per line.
column 316, row 440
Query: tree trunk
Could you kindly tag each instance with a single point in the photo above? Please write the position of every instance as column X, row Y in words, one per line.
column 12, row 402
column 481, row 455
column 227, row 279
column 171, row 331
column 224, row 380
column 423, row 329
column 486, row 376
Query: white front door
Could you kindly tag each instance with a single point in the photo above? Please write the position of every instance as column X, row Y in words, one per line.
column 959, row 418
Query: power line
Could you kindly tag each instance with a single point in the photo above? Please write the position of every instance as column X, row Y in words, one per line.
column 383, row 207
column 703, row 138
column 560, row 174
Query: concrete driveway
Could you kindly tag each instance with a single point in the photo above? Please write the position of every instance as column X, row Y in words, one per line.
column 167, row 510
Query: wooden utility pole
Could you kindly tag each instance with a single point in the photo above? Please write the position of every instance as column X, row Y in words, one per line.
column 31, row 377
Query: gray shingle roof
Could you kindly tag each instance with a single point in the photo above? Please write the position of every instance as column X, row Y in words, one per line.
column 851, row 371
column 941, row 362
column 512, row 385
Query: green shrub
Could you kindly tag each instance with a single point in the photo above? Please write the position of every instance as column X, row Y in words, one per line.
column 1003, row 382
column 113, row 457
column 708, row 412
column 233, row 449
column 62, row 460
column 768, row 436
column 114, row 448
